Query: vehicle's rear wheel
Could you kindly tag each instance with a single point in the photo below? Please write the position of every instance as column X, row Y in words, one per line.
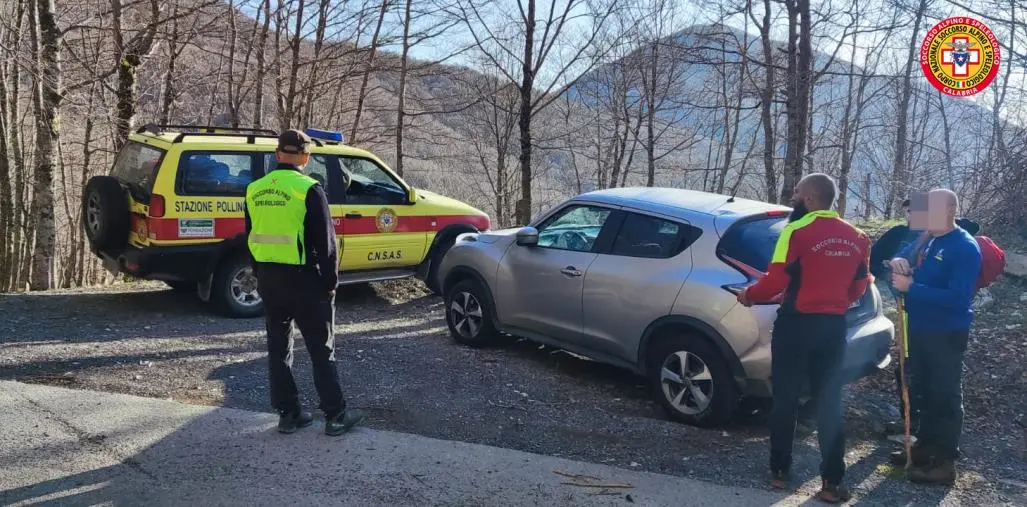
column 105, row 213
column 691, row 380
column 235, row 289
column 470, row 316
column 432, row 279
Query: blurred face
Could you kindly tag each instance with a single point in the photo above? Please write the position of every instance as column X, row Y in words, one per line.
column 941, row 213
column 916, row 213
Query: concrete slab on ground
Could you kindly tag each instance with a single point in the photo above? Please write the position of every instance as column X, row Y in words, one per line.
column 72, row 447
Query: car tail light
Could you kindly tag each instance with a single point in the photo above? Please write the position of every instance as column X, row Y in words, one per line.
column 157, row 206
column 777, row 213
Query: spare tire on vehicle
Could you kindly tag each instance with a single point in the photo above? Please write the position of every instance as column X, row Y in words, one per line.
column 105, row 214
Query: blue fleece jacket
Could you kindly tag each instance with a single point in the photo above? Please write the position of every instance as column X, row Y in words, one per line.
column 944, row 283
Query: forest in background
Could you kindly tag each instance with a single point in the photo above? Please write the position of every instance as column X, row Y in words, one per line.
column 510, row 105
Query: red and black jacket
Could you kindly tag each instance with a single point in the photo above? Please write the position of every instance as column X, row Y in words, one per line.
column 820, row 262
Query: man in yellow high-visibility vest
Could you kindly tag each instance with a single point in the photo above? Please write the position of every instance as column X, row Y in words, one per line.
column 292, row 240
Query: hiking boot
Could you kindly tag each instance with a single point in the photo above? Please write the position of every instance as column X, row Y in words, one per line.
column 343, row 422
column 833, row 493
column 779, row 479
column 289, row 422
column 937, row 472
column 921, row 456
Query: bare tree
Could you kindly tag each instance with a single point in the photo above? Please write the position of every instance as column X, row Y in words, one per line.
column 767, row 96
column 797, row 91
column 46, row 44
column 899, row 186
column 539, row 80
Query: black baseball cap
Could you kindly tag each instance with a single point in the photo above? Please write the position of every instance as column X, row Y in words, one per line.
column 293, row 141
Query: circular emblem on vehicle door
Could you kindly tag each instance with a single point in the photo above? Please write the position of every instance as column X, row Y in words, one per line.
column 386, row 220
column 960, row 56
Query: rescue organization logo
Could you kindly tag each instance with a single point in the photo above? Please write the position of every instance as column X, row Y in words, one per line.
column 960, row 56
column 195, row 227
column 386, row 220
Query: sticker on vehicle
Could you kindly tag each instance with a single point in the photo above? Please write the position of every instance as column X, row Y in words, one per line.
column 196, row 228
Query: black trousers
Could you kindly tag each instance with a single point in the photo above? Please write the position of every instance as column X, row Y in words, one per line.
column 290, row 296
column 808, row 350
column 936, row 388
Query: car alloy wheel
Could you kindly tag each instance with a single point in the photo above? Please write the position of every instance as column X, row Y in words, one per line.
column 244, row 288
column 466, row 314
column 686, row 382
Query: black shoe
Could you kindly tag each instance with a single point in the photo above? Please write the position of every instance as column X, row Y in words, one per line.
column 289, row 422
column 335, row 426
column 833, row 493
column 921, row 456
column 941, row 472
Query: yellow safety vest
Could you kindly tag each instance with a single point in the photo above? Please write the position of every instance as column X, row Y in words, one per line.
column 277, row 205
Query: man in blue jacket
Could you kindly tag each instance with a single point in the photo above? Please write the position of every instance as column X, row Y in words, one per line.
column 939, row 289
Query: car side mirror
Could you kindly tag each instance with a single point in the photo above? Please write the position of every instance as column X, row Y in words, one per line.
column 527, row 236
column 411, row 196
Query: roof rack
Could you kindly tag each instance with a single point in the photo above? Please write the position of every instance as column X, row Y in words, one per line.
column 202, row 130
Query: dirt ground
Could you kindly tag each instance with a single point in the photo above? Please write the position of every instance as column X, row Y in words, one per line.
column 398, row 362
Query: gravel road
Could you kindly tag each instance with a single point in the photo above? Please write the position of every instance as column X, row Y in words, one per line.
column 398, row 362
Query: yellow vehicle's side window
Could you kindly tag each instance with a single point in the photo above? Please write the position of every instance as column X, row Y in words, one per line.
column 319, row 168
column 368, row 183
column 206, row 173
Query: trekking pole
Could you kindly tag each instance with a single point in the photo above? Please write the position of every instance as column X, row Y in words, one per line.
column 901, row 335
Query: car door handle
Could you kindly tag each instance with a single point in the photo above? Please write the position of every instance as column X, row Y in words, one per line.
column 570, row 271
column 353, row 215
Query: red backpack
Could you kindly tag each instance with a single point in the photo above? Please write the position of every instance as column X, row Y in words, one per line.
column 993, row 261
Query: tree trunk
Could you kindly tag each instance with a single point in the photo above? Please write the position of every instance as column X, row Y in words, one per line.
column 258, row 105
column 289, row 114
column 47, row 46
column 899, row 186
column 867, row 201
column 169, row 74
column 524, row 122
column 86, row 157
column 650, row 119
column 132, row 54
column 368, row 67
column 6, row 194
column 402, row 100
column 799, row 69
column 767, row 105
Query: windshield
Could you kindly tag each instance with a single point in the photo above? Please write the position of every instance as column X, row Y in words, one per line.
column 753, row 242
column 135, row 167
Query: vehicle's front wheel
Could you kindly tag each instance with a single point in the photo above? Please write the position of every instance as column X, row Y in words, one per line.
column 691, row 380
column 469, row 315
column 235, row 289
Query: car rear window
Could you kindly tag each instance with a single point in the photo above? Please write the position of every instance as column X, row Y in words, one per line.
column 210, row 173
column 753, row 242
column 136, row 166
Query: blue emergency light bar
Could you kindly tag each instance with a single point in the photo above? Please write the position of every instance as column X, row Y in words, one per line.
column 325, row 135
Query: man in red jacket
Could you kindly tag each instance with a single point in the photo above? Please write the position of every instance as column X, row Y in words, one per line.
column 821, row 263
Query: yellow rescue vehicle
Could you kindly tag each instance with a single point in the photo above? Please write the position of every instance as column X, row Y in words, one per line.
column 172, row 210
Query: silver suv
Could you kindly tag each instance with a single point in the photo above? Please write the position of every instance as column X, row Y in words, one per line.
column 644, row 278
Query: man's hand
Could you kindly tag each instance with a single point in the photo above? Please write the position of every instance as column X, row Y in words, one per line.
column 900, row 266
column 331, row 293
column 901, row 282
column 743, row 299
